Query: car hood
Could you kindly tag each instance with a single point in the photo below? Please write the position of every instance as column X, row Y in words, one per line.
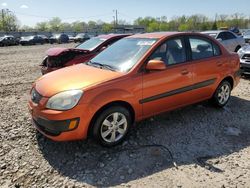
column 58, row 51
column 74, row 77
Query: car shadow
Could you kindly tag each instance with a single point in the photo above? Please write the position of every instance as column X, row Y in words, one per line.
column 191, row 135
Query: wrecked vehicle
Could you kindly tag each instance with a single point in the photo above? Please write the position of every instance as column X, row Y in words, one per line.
column 57, row 58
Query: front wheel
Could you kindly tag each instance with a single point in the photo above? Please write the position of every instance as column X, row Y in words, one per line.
column 222, row 94
column 112, row 125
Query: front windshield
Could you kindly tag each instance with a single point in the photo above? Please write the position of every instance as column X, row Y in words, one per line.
column 91, row 44
column 124, row 54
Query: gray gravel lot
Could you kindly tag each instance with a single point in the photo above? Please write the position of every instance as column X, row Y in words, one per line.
column 211, row 147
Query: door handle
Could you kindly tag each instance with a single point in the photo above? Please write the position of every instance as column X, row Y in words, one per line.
column 184, row 72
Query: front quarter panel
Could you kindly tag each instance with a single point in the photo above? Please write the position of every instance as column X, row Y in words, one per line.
column 125, row 89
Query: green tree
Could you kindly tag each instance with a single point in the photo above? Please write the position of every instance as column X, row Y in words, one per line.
column 79, row 26
column 55, row 24
column 214, row 27
column 106, row 27
column 42, row 26
column 8, row 21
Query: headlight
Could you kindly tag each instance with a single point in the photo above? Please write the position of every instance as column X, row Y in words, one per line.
column 65, row 100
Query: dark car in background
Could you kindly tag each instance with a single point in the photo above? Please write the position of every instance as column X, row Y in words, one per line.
column 59, row 38
column 71, row 38
column 246, row 36
column 62, row 57
column 46, row 39
column 81, row 37
column 8, row 40
column 32, row 40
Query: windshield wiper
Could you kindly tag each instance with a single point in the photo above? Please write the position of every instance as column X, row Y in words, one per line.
column 100, row 65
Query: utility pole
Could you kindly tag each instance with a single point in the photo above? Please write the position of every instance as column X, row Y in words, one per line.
column 116, row 17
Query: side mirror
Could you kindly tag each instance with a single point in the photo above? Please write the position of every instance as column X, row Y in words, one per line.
column 219, row 39
column 155, row 65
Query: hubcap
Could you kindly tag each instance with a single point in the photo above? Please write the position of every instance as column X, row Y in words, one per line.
column 224, row 94
column 114, row 127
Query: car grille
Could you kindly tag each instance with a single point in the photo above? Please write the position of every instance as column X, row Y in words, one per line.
column 246, row 57
column 35, row 96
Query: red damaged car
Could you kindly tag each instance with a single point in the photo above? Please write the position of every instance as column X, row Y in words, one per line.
column 57, row 58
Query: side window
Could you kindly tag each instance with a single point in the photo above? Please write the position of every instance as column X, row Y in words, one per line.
column 222, row 36
column 230, row 36
column 171, row 52
column 200, row 48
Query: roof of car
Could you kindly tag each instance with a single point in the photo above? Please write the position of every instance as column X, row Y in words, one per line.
column 157, row 35
column 108, row 36
column 215, row 31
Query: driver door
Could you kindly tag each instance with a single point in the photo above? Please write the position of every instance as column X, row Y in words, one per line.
column 167, row 89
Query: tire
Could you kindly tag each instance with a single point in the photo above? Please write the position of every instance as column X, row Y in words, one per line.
column 222, row 94
column 107, row 131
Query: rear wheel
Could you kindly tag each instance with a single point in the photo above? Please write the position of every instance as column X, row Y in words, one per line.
column 222, row 94
column 112, row 125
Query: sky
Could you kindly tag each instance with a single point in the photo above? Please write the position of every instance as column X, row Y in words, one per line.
column 29, row 12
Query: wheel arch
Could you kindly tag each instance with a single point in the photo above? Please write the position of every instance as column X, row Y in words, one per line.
column 124, row 104
column 230, row 80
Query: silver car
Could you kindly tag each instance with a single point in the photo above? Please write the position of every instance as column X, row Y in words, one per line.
column 246, row 36
column 244, row 54
column 231, row 41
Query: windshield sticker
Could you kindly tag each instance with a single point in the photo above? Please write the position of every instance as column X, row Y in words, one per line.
column 146, row 43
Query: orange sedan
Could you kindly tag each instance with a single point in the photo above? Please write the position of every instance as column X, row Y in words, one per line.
column 137, row 77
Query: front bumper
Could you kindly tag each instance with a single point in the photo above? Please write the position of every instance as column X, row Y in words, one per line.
column 55, row 127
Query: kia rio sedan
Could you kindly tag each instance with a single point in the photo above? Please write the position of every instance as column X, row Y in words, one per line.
column 137, row 77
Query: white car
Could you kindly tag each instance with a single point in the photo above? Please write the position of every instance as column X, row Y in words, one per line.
column 231, row 41
column 244, row 54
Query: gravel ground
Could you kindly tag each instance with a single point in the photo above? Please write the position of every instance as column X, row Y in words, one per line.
column 211, row 147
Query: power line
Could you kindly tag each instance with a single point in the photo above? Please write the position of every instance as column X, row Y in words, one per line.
column 127, row 15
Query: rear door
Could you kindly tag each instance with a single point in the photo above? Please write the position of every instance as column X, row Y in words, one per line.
column 167, row 89
column 208, row 66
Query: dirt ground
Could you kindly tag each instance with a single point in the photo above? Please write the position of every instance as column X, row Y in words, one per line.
column 211, row 147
